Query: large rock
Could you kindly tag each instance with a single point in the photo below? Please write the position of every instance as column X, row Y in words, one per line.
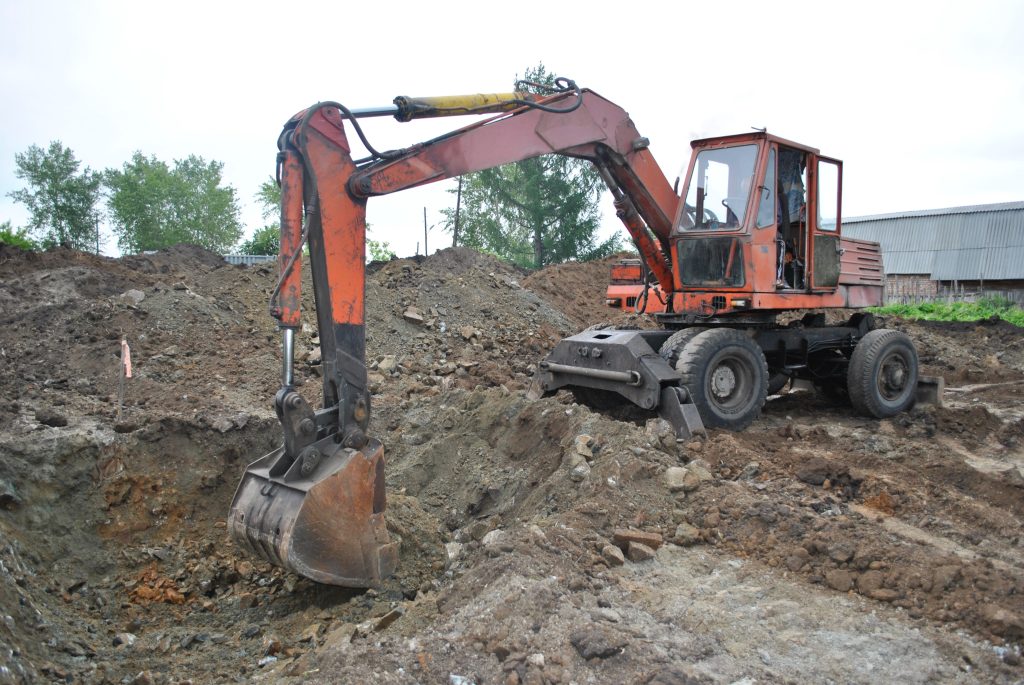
column 686, row 534
column 638, row 551
column 580, row 472
column 623, row 537
column 869, row 581
column 133, row 296
column 943, row 577
column 595, row 642
column 839, row 579
column 700, row 468
column 9, row 497
column 613, row 555
column 815, row 472
column 681, row 479
column 584, row 445
column 51, row 417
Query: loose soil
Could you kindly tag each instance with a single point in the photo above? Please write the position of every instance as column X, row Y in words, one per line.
column 541, row 541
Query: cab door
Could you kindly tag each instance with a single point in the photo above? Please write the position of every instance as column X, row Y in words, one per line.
column 826, row 221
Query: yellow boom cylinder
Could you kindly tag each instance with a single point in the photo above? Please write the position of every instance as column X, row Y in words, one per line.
column 410, row 108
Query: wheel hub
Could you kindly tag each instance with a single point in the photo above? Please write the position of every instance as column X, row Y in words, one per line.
column 894, row 375
column 723, row 382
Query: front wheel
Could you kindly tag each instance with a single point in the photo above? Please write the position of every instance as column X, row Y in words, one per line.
column 727, row 377
column 882, row 377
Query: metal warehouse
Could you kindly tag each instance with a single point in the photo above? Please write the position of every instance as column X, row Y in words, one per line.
column 971, row 251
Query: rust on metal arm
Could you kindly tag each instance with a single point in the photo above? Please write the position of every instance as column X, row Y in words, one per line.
column 598, row 130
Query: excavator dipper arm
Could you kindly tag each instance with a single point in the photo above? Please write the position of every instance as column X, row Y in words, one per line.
column 316, row 505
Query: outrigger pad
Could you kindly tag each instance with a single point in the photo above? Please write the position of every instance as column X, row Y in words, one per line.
column 929, row 390
column 329, row 528
column 683, row 415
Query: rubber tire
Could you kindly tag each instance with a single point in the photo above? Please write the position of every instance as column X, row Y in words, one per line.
column 776, row 382
column 734, row 349
column 671, row 348
column 878, row 351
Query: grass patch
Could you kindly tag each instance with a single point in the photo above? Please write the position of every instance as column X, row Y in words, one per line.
column 984, row 308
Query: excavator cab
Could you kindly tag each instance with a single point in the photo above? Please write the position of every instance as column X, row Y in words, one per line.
column 758, row 230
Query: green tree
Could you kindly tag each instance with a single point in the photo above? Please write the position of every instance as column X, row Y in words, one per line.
column 380, row 250
column 269, row 199
column 61, row 200
column 9, row 235
column 535, row 212
column 265, row 241
column 153, row 205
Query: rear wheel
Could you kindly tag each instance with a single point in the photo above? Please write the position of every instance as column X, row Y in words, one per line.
column 882, row 377
column 727, row 377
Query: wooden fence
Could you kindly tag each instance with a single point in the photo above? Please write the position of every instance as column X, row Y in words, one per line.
column 912, row 289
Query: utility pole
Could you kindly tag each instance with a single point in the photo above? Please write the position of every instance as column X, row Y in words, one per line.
column 426, row 250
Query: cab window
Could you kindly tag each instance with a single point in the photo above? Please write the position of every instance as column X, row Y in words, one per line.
column 828, row 195
column 719, row 189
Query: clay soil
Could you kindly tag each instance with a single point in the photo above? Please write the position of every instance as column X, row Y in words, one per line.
column 816, row 546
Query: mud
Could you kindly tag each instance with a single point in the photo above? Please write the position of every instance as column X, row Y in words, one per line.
column 815, row 546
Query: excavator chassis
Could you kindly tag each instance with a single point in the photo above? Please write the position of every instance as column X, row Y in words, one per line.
column 731, row 363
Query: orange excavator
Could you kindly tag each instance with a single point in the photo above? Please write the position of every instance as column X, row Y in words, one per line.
column 754, row 233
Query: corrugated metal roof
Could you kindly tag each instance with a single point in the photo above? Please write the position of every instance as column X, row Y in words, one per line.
column 965, row 209
column 958, row 243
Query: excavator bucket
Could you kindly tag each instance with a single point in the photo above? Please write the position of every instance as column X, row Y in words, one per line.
column 328, row 527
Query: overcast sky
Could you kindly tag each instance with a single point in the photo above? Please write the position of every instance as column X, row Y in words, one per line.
column 924, row 102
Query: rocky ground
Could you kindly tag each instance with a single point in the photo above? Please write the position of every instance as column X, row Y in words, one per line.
column 541, row 541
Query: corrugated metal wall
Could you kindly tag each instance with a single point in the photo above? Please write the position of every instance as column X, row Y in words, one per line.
column 982, row 242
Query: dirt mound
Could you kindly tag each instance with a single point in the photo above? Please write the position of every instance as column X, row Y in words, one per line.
column 541, row 541
column 576, row 288
column 986, row 351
